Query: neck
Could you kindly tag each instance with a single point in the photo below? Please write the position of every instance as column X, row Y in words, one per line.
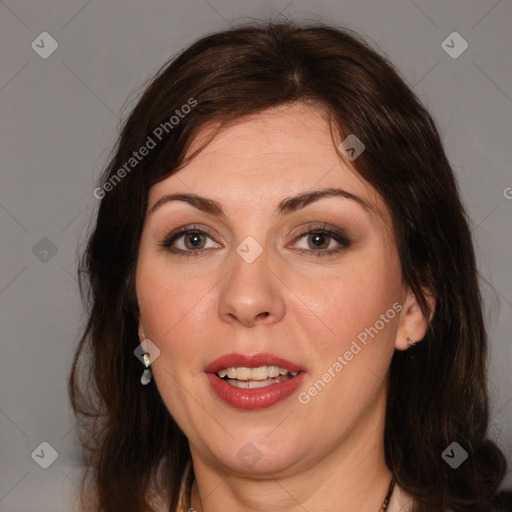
column 351, row 477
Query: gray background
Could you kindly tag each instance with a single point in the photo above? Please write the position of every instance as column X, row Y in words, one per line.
column 60, row 118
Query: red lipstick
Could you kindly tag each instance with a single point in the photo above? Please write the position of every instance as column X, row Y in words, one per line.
column 255, row 398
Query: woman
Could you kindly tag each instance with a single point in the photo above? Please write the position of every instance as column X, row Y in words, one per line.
column 284, row 309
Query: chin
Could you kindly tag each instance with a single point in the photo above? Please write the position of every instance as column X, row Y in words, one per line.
column 259, row 467
column 255, row 455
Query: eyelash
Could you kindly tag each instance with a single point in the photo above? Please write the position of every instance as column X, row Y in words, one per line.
column 167, row 242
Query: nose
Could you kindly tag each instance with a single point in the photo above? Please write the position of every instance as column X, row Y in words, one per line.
column 252, row 293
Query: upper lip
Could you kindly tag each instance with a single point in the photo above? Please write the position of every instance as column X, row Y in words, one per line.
column 250, row 361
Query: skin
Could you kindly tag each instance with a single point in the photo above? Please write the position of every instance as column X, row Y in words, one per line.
column 323, row 455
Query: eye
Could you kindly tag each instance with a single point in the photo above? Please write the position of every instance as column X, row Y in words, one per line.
column 190, row 238
column 319, row 239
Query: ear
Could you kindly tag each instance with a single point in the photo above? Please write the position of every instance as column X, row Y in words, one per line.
column 413, row 324
column 141, row 330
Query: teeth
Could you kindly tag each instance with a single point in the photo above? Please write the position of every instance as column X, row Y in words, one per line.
column 274, row 371
column 242, row 373
column 254, row 374
column 259, row 373
column 251, row 384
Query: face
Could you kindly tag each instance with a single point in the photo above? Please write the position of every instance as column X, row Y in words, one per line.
column 313, row 287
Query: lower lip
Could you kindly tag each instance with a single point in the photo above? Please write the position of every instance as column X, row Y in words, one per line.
column 257, row 398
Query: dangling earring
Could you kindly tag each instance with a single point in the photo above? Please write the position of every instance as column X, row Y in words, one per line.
column 146, row 374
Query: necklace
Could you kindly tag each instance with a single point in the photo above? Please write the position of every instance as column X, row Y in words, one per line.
column 186, row 485
column 388, row 495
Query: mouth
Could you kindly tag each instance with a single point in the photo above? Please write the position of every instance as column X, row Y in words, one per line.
column 251, row 378
column 253, row 382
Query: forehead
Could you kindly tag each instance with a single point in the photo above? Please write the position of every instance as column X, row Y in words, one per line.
column 262, row 158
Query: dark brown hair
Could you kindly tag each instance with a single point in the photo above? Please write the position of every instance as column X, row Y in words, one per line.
column 437, row 390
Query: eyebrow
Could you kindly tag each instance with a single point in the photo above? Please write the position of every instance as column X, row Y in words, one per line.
column 287, row 205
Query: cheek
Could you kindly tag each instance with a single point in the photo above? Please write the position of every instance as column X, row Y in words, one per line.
column 354, row 300
column 172, row 308
column 348, row 367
